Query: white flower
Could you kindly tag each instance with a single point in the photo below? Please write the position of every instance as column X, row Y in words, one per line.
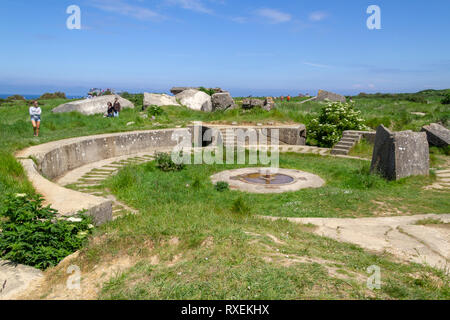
column 21, row 195
column 72, row 219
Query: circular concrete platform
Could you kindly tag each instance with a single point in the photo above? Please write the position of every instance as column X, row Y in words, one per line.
column 278, row 180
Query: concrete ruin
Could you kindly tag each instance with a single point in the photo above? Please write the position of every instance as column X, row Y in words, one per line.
column 160, row 100
column 437, row 135
column 398, row 155
column 97, row 105
column 330, row 96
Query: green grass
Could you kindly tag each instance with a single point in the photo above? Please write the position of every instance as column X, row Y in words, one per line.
column 226, row 252
column 430, row 221
column 363, row 149
column 350, row 190
column 16, row 131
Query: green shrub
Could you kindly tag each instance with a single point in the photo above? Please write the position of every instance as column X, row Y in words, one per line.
column 333, row 120
column 197, row 184
column 222, row 186
column 240, row 207
column 56, row 95
column 16, row 97
column 417, row 99
column 137, row 99
column 446, row 99
column 155, row 111
column 32, row 234
column 164, row 163
column 207, row 91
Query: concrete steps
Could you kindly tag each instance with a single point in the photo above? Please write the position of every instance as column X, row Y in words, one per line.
column 348, row 141
column 442, row 180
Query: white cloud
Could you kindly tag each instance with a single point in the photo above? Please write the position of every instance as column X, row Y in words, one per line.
column 318, row 16
column 239, row 19
column 193, row 5
column 317, row 65
column 274, row 16
column 123, row 8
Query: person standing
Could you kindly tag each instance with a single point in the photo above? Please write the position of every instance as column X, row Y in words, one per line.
column 35, row 115
column 117, row 108
column 288, row 98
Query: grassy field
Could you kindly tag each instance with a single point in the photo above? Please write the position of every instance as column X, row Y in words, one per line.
column 187, row 243
column 350, row 191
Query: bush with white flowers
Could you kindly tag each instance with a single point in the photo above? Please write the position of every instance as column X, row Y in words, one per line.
column 334, row 119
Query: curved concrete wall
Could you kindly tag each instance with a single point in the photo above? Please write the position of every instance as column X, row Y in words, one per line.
column 56, row 158
column 49, row 161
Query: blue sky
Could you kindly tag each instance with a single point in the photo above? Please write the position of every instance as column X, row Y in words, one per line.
column 247, row 46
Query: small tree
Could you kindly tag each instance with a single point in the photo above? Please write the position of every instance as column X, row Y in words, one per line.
column 446, row 99
column 334, row 119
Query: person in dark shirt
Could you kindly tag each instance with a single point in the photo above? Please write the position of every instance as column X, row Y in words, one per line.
column 110, row 110
column 117, row 108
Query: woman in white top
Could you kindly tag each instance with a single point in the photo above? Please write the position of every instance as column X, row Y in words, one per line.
column 35, row 114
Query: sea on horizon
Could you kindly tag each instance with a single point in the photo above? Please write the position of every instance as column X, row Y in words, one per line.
column 35, row 96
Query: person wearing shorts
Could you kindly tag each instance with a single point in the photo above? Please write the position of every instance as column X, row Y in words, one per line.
column 35, row 115
column 117, row 108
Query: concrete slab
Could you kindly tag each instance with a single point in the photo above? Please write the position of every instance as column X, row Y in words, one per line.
column 15, row 279
column 396, row 235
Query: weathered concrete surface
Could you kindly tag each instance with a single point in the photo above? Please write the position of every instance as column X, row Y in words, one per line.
column 294, row 134
column 396, row 235
column 195, row 100
column 400, row 154
column 177, row 90
column 160, row 100
column 66, row 201
column 56, row 158
column 269, row 104
column 252, row 103
column 437, row 135
column 326, row 95
column 302, row 180
column 97, row 105
column 15, row 279
column 222, row 101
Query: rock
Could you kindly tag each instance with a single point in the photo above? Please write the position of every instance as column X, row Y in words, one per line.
column 97, row 105
column 16, row 279
column 153, row 99
column 250, row 103
column 269, row 104
column 325, row 95
column 222, row 101
column 437, row 135
column 400, row 154
column 177, row 90
column 195, row 100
